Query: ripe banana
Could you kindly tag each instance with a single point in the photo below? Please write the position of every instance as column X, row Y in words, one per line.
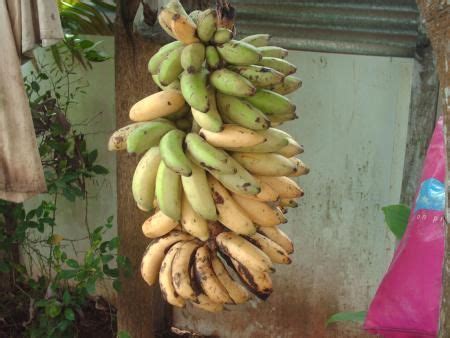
column 239, row 53
column 212, row 58
column 208, row 156
column 278, row 119
column 257, row 40
column 172, row 153
column 207, row 24
column 236, row 292
column 177, row 7
column 289, row 85
column 205, row 303
column 284, row 186
column 232, row 136
column 291, row 149
column 198, row 193
column 168, row 191
column 221, row 36
column 170, row 68
column 238, row 248
column 165, row 18
column 281, row 65
column 184, row 29
column 118, row 140
column 241, row 112
column 210, row 120
column 230, row 213
column 274, row 251
column 157, row 58
column 271, row 103
column 207, row 279
column 231, row 83
column 165, row 278
column 267, row 194
column 274, row 141
column 279, row 237
column 155, row 252
column 158, row 225
column 300, row 167
column 143, row 183
column 192, row 57
column 193, row 87
column 192, row 222
column 288, row 203
column 181, row 267
column 261, row 213
column 147, row 135
column 273, row 51
column 157, row 105
column 266, row 164
column 258, row 75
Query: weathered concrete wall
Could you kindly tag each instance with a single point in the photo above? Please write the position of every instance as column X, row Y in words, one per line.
column 353, row 122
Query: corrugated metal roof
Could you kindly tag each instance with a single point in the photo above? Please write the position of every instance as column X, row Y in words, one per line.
column 375, row 27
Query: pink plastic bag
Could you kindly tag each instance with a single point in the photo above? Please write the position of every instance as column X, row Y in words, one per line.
column 407, row 302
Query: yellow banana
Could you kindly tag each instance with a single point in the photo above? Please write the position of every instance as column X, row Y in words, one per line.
column 168, row 191
column 288, row 203
column 239, row 53
column 261, row 213
column 257, row 40
column 278, row 119
column 207, row 24
column 266, row 164
column 230, row 214
column 147, row 135
column 274, row 251
column 279, row 237
column 300, row 167
column 231, row 83
column 158, row 225
column 195, row 92
column 273, row 51
column 274, row 140
column 118, row 140
column 271, row 103
column 207, row 279
column 222, row 35
column 209, row 120
column 284, row 186
column 267, row 194
column 289, row 85
column 172, row 153
column 165, row 18
column 205, row 303
column 181, row 268
column 291, row 149
column 163, row 52
column 144, row 177
column 258, row 75
column 155, row 252
column 280, row 65
column 157, row 105
column 184, row 29
column 212, row 58
column 192, row 57
column 165, row 278
column 232, row 136
column 192, row 222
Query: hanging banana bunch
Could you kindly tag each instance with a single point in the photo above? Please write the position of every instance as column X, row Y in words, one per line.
column 214, row 175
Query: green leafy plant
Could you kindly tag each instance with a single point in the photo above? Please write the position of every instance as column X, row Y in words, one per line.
column 357, row 317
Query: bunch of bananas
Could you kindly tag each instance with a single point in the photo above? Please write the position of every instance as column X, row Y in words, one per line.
column 214, row 174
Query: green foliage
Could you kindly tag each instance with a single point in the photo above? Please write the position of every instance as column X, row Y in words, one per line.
column 357, row 317
column 396, row 217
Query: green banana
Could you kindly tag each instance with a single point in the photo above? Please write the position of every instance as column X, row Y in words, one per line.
column 210, row 120
column 257, row 40
column 258, row 75
column 177, row 7
column 194, row 90
column 275, row 140
column 281, row 65
column 212, row 58
column 170, row 68
column 239, row 53
column 208, row 156
column 174, row 85
column 147, row 135
column 289, row 84
column 241, row 112
column 179, row 114
column 184, row 124
column 194, row 15
column 222, row 35
column 273, row 51
column 192, row 57
column 280, row 118
column 156, row 59
column 168, row 191
column 207, row 24
column 144, row 178
column 231, row 83
column 198, row 193
column 171, row 148
column 271, row 103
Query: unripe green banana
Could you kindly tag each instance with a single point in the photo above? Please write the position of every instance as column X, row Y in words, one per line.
column 231, row 83
column 170, row 68
column 147, row 135
column 192, row 57
column 168, row 191
column 222, row 35
column 174, row 85
column 207, row 24
column 257, row 40
column 194, row 15
column 239, row 53
column 177, row 7
column 184, row 124
column 210, row 120
column 273, row 51
column 289, row 84
column 172, row 153
column 212, row 58
column 271, row 103
column 144, row 178
column 258, row 75
column 208, row 156
column 194, row 90
column 241, row 112
column 274, row 140
column 281, row 65
column 156, row 59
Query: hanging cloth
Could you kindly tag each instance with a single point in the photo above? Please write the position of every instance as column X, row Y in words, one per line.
column 24, row 24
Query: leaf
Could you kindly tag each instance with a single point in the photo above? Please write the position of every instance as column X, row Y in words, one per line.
column 69, row 314
column 358, row 317
column 67, row 298
column 67, row 274
column 72, row 263
column 396, row 217
column 53, row 310
column 99, row 170
column 123, row 334
column 117, row 285
column 90, row 286
column 96, row 56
